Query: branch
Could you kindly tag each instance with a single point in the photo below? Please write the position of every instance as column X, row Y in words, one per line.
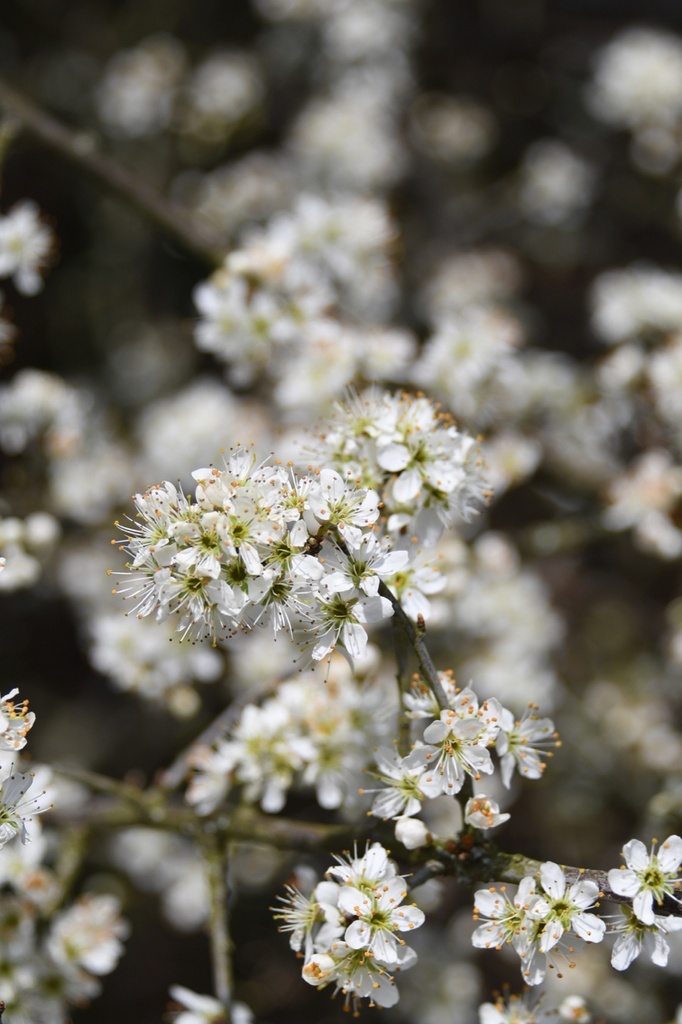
column 416, row 639
column 81, row 149
column 470, row 858
column 473, row 860
column 216, row 864
column 127, row 805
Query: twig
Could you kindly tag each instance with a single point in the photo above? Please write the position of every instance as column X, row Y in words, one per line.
column 416, row 640
column 81, row 149
column 216, row 863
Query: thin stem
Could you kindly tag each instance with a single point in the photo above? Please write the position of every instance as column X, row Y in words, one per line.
column 216, row 864
column 129, row 805
column 416, row 639
column 81, row 149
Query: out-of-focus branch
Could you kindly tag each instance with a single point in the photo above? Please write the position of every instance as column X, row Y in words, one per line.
column 470, row 857
column 216, row 865
column 122, row 805
column 81, row 149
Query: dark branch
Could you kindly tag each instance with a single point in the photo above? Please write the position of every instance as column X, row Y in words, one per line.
column 81, row 149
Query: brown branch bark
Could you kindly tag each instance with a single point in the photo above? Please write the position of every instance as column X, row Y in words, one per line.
column 82, row 150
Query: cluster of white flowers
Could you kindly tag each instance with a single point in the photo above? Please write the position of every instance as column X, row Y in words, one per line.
column 556, row 185
column 640, row 726
column 168, row 865
column 428, row 474
column 49, row 960
column 637, row 302
column 223, row 93
column 534, row 922
column 455, row 745
column 138, row 657
column 466, row 356
column 46, row 970
column 148, row 89
column 244, row 552
column 457, row 131
column 348, row 135
column 637, row 85
column 296, row 299
column 41, row 405
column 17, row 810
column 500, row 608
column 350, row 928
column 315, row 732
column 645, row 498
column 242, row 191
column 308, row 306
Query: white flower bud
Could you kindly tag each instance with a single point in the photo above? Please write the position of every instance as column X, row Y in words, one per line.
column 411, row 832
column 482, row 812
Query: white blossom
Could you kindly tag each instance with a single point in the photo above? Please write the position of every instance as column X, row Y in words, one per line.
column 25, row 246
column 648, row 877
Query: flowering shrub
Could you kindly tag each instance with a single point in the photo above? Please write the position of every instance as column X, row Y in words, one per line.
column 397, row 391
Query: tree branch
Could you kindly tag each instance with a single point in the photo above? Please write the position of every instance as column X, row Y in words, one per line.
column 216, row 864
column 416, row 640
column 473, row 860
column 81, row 149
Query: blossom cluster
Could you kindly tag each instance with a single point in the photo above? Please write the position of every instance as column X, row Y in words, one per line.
column 534, row 921
column 47, row 968
column 25, row 545
column 262, row 544
column 455, row 746
column 149, row 88
column 51, row 957
column 636, row 86
column 296, row 304
column 336, row 279
column 17, row 810
column 350, row 928
column 314, row 732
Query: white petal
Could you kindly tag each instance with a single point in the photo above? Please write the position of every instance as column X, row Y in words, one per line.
column 588, row 927
column 642, row 905
column 636, row 855
column 626, row 949
column 625, row 883
column 553, row 879
column 670, row 854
